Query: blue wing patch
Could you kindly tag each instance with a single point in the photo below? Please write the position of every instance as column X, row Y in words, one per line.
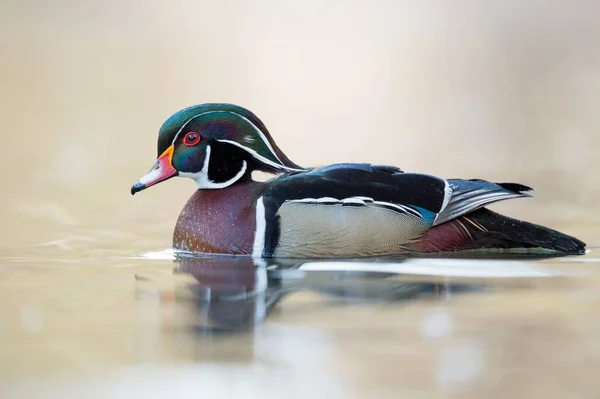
column 427, row 215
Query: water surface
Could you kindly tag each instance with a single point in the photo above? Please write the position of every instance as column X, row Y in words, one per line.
column 117, row 325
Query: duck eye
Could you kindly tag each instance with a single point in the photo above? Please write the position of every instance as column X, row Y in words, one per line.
column 191, row 138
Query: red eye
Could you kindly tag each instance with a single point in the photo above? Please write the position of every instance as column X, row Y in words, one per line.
column 191, row 138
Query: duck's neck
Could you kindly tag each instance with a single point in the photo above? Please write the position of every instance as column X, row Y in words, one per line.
column 219, row 221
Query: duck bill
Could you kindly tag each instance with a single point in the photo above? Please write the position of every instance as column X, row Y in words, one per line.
column 162, row 170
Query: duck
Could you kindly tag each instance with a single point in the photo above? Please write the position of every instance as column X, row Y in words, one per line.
column 342, row 210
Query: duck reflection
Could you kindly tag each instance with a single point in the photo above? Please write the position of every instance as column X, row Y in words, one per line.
column 235, row 294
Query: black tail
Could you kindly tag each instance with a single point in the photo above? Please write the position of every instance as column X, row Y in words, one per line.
column 500, row 231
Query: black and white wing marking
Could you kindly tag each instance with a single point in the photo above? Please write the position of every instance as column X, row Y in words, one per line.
column 380, row 182
column 469, row 195
column 342, row 209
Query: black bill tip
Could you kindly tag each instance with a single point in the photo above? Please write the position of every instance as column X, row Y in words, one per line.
column 137, row 187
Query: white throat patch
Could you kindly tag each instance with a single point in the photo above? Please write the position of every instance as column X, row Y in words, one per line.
column 202, row 180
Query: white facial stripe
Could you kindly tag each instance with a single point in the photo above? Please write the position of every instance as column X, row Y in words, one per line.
column 259, row 234
column 260, row 133
column 260, row 157
column 202, row 180
column 184, row 125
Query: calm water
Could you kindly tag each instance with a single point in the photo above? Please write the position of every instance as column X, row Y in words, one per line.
column 109, row 324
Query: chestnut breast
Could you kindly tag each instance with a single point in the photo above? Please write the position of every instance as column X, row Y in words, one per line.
column 219, row 221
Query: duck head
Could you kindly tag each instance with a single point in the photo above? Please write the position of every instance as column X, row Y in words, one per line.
column 216, row 145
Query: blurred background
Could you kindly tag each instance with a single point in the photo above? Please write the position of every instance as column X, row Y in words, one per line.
column 501, row 90
column 504, row 90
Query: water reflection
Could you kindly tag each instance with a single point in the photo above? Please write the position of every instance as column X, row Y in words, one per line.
column 347, row 325
column 235, row 294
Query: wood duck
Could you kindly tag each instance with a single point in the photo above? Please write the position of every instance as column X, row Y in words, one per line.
column 336, row 211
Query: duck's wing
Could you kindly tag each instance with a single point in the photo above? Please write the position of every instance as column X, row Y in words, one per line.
column 357, row 209
column 469, row 195
column 363, row 209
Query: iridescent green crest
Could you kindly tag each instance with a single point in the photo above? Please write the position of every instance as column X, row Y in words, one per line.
column 226, row 123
